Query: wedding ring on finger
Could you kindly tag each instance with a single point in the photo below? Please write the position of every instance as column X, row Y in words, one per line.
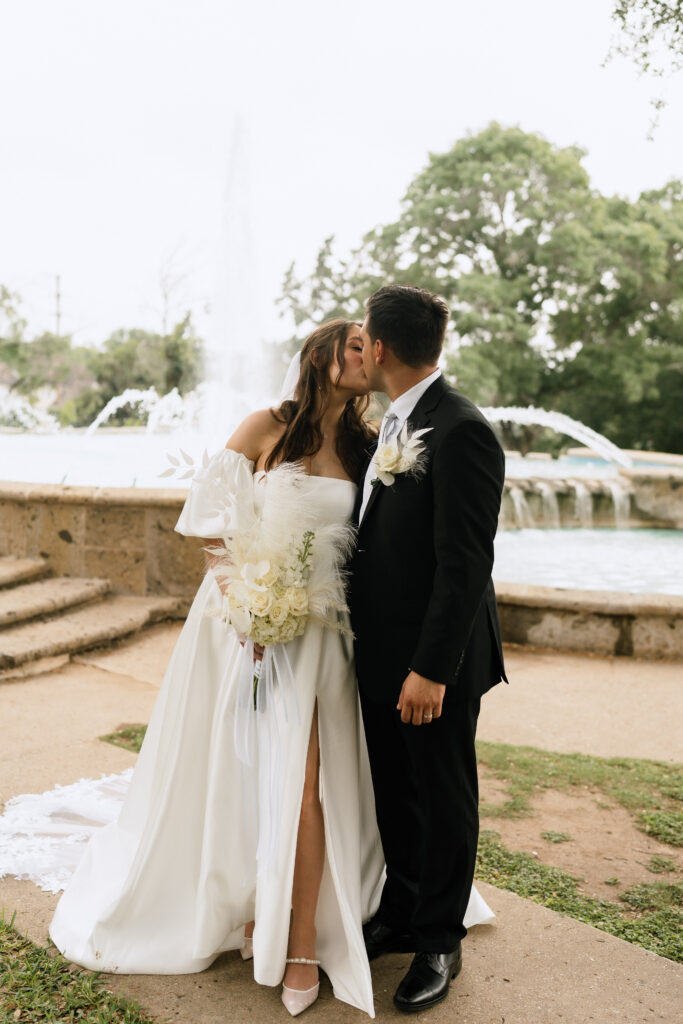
column 427, row 718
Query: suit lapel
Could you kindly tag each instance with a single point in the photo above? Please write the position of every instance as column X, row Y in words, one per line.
column 419, row 417
column 376, row 488
column 359, row 494
column 422, row 413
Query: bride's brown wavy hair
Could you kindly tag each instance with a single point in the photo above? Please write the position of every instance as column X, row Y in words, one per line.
column 303, row 435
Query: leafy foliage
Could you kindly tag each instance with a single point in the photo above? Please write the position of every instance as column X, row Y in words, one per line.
column 650, row 28
column 83, row 379
column 560, row 297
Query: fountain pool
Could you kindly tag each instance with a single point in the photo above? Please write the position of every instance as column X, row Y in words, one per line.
column 636, row 561
column 133, row 456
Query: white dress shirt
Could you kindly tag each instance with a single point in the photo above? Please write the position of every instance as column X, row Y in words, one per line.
column 401, row 407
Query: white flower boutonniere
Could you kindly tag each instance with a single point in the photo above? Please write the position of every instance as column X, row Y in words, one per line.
column 403, row 454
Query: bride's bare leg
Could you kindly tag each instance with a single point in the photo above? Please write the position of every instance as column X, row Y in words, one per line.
column 308, row 870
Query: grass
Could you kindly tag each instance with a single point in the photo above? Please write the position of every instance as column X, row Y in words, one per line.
column 649, row 915
column 666, row 826
column 660, row 865
column 39, row 985
column 130, row 737
column 556, row 837
column 651, row 791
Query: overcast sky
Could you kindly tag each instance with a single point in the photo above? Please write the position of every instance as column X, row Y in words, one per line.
column 120, row 118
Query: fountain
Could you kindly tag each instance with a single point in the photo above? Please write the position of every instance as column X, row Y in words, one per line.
column 583, row 505
column 551, row 508
column 523, row 517
column 621, row 499
column 17, row 413
column 561, row 424
column 118, row 521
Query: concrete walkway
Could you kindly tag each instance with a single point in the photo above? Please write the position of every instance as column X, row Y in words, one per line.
column 532, row 967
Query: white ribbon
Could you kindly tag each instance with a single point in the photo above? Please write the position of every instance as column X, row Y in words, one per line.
column 266, row 701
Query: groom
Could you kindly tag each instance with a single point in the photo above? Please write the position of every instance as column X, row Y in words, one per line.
column 428, row 643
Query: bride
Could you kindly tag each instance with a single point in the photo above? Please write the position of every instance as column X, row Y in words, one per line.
column 276, row 853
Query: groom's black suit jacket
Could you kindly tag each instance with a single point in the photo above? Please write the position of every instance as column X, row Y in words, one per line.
column 421, row 595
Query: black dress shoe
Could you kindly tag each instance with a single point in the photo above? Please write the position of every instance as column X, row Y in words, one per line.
column 381, row 938
column 427, row 981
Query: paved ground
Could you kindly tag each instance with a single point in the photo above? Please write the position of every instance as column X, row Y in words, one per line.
column 531, row 966
column 578, row 703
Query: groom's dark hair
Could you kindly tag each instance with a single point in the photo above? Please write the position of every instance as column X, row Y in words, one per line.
column 410, row 321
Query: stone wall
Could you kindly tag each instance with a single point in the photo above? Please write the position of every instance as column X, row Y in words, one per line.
column 127, row 536
column 652, row 498
column 124, row 534
column 658, row 495
column 595, row 621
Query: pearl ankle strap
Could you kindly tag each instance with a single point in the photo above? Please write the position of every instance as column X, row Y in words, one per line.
column 302, row 960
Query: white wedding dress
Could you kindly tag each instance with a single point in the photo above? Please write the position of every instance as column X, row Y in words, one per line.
column 170, row 884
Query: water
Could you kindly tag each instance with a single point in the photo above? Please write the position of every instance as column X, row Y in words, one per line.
column 525, row 466
column 523, row 515
column 551, row 508
column 110, row 458
column 562, row 424
column 583, row 504
column 636, row 561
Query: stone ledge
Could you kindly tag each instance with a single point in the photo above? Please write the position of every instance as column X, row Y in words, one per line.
column 597, row 602
column 46, row 597
column 66, row 494
column 644, row 473
column 14, row 571
column 598, row 622
column 87, row 627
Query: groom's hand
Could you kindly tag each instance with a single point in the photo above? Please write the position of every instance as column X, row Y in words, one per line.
column 420, row 698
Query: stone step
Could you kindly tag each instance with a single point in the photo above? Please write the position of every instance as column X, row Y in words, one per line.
column 91, row 626
column 47, row 597
column 21, row 570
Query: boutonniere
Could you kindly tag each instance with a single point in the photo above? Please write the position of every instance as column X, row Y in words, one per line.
column 403, row 454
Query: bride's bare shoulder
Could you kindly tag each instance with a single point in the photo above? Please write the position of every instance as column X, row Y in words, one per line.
column 255, row 434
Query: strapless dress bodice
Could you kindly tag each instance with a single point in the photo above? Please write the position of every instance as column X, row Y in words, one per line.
column 331, row 497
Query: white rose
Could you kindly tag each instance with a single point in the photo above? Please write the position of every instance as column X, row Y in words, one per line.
column 279, row 610
column 260, row 601
column 387, row 458
column 297, row 599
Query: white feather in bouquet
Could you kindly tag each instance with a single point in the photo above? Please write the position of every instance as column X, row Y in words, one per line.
column 284, row 569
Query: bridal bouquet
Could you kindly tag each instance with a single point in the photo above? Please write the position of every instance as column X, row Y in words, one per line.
column 278, row 567
column 267, row 600
column 279, row 572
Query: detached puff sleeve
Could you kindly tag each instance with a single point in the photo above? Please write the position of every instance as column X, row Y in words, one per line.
column 221, row 498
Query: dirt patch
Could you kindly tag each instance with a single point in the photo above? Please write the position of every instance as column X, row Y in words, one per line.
column 604, row 843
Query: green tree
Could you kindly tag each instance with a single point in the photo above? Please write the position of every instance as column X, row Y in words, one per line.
column 626, row 378
column 136, row 358
column 560, row 297
column 12, row 324
column 651, row 33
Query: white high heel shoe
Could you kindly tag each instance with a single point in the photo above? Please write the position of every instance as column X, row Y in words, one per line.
column 297, row 1000
column 247, row 948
